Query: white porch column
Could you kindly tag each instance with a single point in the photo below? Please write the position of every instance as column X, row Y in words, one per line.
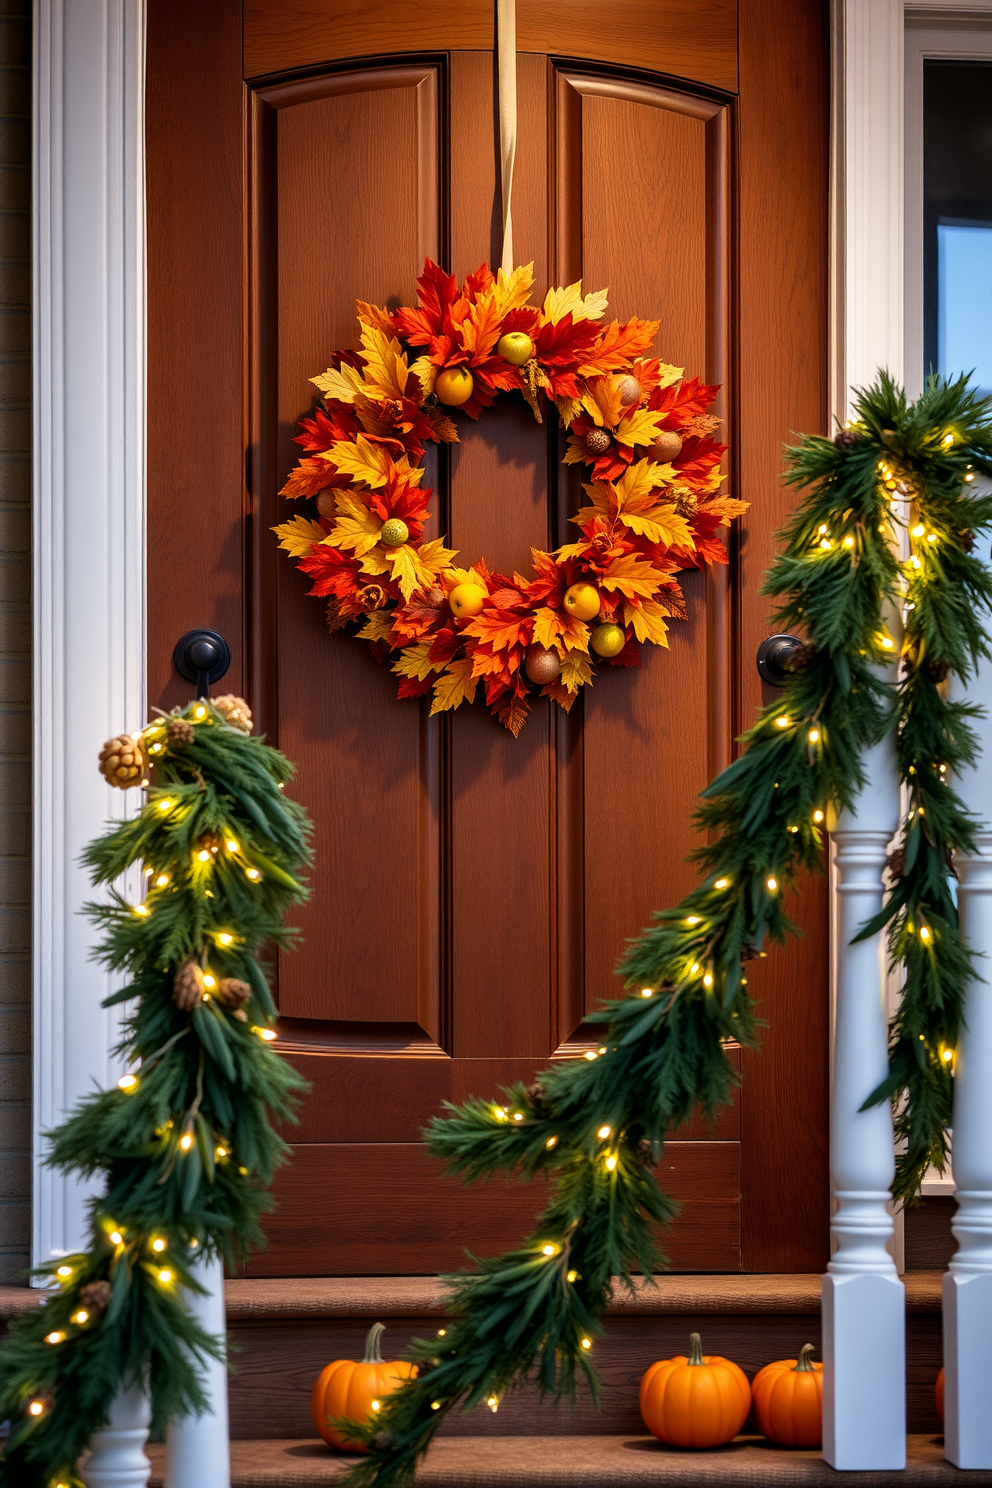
column 117, row 1456
column 968, row 1283
column 197, row 1448
column 864, row 1310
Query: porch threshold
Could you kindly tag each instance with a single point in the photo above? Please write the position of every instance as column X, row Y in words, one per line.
column 582, row 1462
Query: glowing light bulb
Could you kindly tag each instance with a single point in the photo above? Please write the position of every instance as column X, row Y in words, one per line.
column 376, row 1405
column 548, row 1250
column 268, row 1034
column 708, row 979
column 441, row 1332
column 919, row 530
column 142, row 909
column 603, row 1133
column 81, row 1317
column 572, row 1276
column 252, row 873
column 647, row 991
column 589, row 1054
column 156, row 749
column 924, row 933
column 849, row 541
column 231, row 845
column 694, row 969
column 435, row 1405
column 943, row 769
column 116, row 1238
column 225, row 938
column 822, row 528
column 64, row 1271
column 54, row 1337
column 948, row 1054
column 165, row 1276
column 199, row 712
column 220, row 1152
column 692, row 919
column 887, row 643
column 782, row 722
column 186, row 1141
column 493, row 1403
column 948, row 439
column 203, row 855
column 551, row 1142
column 127, row 1082
column 209, row 980
column 36, row 1407
column 518, row 1116
column 162, row 880
column 771, row 884
column 818, row 816
column 602, row 1050
column 722, row 883
column 158, row 1245
column 166, row 805
column 824, row 543
column 587, row 1343
column 793, row 829
column 915, row 561
column 813, row 735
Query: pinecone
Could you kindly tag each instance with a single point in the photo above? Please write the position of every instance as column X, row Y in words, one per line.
column 179, row 733
column 233, row 710
column 967, row 540
column 537, row 1096
column 686, row 503
column 896, row 863
column 373, row 596
column 597, row 441
column 122, row 762
column 647, row 1153
column 938, row 670
column 799, row 659
column 232, row 993
column 96, row 1295
column 187, row 987
column 846, row 439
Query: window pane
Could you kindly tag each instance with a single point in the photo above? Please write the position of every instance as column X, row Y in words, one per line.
column 957, row 218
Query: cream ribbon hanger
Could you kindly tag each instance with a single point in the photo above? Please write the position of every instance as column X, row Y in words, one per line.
column 506, row 64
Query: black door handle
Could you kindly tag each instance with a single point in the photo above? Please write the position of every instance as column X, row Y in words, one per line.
column 773, row 657
column 201, row 656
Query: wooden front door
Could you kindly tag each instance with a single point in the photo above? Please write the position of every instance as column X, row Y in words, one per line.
column 471, row 891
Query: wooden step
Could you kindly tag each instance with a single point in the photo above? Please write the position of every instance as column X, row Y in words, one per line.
column 283, row 1331
column 587, row 1462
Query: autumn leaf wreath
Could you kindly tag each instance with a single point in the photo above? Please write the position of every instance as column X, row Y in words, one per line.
column 654, row 502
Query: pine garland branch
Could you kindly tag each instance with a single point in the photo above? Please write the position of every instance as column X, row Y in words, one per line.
column 184, row 1144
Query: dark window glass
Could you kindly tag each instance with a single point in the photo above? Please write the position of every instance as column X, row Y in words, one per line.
column 957, row 219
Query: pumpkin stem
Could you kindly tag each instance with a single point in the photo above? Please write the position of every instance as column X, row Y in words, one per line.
column 804, row 1364
column 695, row 1349
column 373, row 1353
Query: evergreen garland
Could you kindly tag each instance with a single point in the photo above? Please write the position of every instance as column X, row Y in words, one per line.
column 595, row 1127
column 184, row 1142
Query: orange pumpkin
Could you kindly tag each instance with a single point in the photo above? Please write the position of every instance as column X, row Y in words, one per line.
column 788, row 1400
column 938, row 1396
column 348, row 1391
column 695, row 1400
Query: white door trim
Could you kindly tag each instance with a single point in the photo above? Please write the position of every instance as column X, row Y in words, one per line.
column 89, row 526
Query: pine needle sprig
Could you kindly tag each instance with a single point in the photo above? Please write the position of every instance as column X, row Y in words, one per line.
column 185, row 1144
column 934, row 448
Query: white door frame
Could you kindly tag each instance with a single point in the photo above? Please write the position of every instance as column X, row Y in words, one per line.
column 89, row 443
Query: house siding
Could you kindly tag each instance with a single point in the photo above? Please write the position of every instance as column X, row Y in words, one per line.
column 15, row 638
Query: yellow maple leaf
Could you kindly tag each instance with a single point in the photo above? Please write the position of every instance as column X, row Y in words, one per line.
column 636, row 487
column 561, row 302
column 454, row 686
column 639, row 426
column 513, row 290
column 604, row 503
column 434, row 557
column 412, row 661
column 728, row 507
column 361, row 459
column 648, row 620
column 633, row 576
column 405, row 569
column 426, row 374
column 374, row 315
column 354, row 526
column 568, row 410
column 601, row 400
column 455, row 576
column 559, row 694
column 386, row 368
column 344, row 385
column 576, row 671
column 377, row 626
column 571, row 550
column 662, row 525
column 574, row 633
column 640, row 510
column 299, row 535
column 547, row 627
column 669, row 374
column 375, row 562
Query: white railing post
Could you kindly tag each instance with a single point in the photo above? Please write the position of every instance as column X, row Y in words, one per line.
column 864, row 1314
column 968, row 1283
column 197, row 1452
column 117, row 1455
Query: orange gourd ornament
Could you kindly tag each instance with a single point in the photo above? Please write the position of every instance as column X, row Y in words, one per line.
column 695, row 1400
column 788, row 1400
column 349, row 1391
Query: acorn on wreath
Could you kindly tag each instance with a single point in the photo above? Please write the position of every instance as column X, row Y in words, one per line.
column 597, row 441
column 665, row 447
column 122, row 762
column 188, row 987
column 232, row 993
column 543, row 665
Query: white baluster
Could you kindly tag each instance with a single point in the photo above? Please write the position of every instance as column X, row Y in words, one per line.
column 864, row 1342
column 968, row 1283
column 197, row 1448
column 117, row 1455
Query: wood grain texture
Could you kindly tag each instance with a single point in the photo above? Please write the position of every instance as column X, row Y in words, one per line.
column 374, row 1208
column 929, row 1240
column 677, row 37
column 195, row 574
column 782, row 269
